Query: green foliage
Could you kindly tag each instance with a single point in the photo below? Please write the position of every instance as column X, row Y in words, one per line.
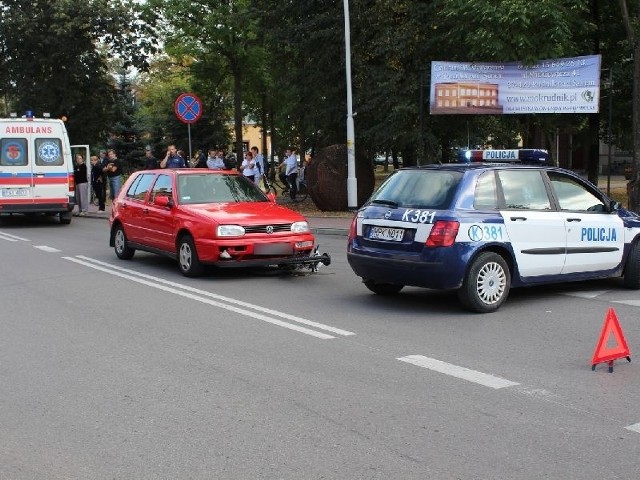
column 62, row 68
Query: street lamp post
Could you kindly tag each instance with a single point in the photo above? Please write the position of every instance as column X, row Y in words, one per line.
column 352, row 183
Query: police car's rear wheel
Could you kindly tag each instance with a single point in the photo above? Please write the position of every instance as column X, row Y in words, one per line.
column 487, row 283
column 632, row 268
column 382, row 288
column 188, row 260
column 123, row 251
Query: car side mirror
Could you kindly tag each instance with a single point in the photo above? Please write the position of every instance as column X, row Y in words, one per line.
column 272, row 197
column 615, row 206
column 163, row 201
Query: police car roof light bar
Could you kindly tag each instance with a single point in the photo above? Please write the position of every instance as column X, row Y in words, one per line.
column 515, row 155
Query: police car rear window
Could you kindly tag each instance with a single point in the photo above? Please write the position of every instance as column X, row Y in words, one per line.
column 432, row 189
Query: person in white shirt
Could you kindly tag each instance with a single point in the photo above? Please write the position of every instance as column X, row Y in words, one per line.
column 214, row 161
column 248, row 167
column 291, row 171
column 258, row 158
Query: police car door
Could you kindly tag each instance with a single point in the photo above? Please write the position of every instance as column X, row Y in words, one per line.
column 595, row 237
column 536, row 230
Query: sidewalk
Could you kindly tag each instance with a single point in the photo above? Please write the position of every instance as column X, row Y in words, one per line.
column 319, row 225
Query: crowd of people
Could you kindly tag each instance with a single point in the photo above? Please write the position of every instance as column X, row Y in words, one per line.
column 106, row 170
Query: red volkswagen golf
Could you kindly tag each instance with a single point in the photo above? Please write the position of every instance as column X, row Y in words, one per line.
column 200, row 216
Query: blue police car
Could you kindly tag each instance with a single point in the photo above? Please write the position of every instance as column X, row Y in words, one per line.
column 482, row 228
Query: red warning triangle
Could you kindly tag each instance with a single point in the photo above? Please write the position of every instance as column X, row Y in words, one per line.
column 612, row 344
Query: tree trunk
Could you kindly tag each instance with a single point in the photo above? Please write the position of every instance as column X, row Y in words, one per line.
column 633, row 188
column 237, row 113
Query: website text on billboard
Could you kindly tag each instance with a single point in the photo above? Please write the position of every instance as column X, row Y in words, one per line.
column 566, row 85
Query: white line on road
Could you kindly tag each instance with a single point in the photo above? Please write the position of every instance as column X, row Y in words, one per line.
column 586, row 294
column 12, row 238
column 458, row 372
column 634, row 428
column 633, row 303
column 44, row 248
column 187, row 288
column 198, row 295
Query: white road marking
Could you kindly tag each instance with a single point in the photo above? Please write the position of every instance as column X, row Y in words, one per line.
column 633, row 303
column 587, row 294
column 44, row 248
column 187, row 288
column 458, row 372
column 199, row 295
column 634, row 428
column 12, row 238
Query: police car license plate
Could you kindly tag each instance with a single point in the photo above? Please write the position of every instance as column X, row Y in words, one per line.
column 13, row 192
column 386, row 233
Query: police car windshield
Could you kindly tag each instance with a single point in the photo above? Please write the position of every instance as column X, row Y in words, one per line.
column 432, row 189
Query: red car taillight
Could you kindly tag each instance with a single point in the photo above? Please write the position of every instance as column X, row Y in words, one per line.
column 72, row 183
column 443, row 233
column 353, row 230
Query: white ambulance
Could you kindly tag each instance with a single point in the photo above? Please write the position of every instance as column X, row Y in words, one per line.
column 36, row 167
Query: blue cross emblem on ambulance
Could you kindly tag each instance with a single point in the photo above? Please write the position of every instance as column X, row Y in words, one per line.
column 49, row 152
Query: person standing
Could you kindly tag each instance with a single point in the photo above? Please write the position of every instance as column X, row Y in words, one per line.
column 200, row 160
column 258, row 159
column 291, row 171
column 173, row 159
column 82, row 187
column 214, row 160
column 113, row 171
column 150, row 162
column 97, row 182
column 248, row 167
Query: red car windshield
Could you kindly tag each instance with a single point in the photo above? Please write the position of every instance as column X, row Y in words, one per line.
column 217, row 188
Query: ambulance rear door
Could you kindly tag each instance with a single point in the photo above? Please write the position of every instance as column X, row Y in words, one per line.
column 15, row 167
column 52, row 168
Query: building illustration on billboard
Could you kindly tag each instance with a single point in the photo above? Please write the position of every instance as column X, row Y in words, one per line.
column 562, row 85
column 467, row 97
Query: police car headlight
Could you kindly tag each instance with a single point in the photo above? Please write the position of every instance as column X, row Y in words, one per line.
column 230, row 231
column 299, row 227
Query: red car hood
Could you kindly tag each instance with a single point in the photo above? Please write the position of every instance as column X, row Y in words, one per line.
column 246, row 213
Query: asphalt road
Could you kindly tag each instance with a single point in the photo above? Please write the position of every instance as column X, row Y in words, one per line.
column 125, row 369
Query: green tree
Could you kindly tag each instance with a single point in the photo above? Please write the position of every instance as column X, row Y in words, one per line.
column 62, row 69
column 204, row 29
column 631, row 21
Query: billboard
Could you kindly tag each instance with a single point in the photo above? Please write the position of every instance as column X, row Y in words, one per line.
column 565, row 85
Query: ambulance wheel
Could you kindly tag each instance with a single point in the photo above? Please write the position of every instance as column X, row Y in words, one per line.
column 632, row 268
column 487, row 283
column 123, row 251
column 65, row 218
column 383, row 288
column 188, row 260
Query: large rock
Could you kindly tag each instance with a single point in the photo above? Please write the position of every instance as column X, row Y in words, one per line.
column 327, row 178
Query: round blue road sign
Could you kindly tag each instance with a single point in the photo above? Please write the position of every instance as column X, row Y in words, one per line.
column 188, row 108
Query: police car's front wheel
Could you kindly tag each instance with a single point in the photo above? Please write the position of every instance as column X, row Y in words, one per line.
column 487, row 283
